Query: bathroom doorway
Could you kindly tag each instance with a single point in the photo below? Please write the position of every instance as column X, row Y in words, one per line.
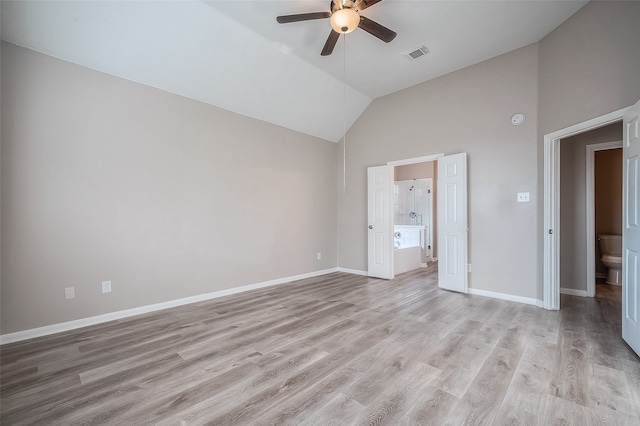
column 630, row 289
column 580, row 183
column 604, row 217
column 414, row 216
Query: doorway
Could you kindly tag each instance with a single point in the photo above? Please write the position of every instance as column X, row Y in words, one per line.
column 579, row 220
column 452, row 229
column 551, row 220
column 414, row 218
column 604, row 208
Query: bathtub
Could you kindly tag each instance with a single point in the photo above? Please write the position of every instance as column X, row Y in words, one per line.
column 408, row 247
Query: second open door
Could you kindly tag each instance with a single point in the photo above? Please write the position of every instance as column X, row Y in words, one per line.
column 452, row 222
column 631, row 229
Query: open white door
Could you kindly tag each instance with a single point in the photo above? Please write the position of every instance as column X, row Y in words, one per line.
column 631, row 229
column 380, row 212
column 452, row 222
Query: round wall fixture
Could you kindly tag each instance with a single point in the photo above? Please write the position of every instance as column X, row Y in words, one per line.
column 517, row 119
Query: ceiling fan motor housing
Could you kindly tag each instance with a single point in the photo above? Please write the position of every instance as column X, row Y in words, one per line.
column 344, row 18
column 338, row 4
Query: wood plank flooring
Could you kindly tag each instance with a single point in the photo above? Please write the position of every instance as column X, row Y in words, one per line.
column 339, row 349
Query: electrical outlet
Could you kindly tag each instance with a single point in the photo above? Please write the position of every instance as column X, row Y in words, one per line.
column 523, row 197
column 106, row 286
column 319, row 256
column 70, row 293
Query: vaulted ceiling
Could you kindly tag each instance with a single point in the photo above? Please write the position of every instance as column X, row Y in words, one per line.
column 233, row 54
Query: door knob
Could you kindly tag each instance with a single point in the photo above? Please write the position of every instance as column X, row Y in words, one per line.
column 370, row 226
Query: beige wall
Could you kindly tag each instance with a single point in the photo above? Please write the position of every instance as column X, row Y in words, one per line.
column 588, row 67
column 414, row 171
column 106, row 179
column 589, row 64
column 573, row 219
column 608, row 196
column 468, row 110
column 608, row 191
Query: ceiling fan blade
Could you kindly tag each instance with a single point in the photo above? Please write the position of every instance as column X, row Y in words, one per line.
column 330, row 44
column 302, row 17
column 368, row 3
column 377, row 30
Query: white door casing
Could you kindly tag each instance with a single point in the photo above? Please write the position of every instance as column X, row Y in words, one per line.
column 380, row 221
column 631, row 228
column 428, row 223
column 452, row 222
column 551, row 227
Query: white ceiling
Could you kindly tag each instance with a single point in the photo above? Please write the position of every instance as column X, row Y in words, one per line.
column 234, row 55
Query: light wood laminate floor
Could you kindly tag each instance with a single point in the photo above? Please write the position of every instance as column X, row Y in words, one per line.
column 339, row 349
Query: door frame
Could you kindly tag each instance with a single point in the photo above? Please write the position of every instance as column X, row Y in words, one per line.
column 415, row 160
column 551, row 221
column 590, row 213
column 430, row 233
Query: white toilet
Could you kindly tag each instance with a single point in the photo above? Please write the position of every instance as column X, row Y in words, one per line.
column 611, row 249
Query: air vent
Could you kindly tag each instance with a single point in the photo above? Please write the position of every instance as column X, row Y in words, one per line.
column 417, row 53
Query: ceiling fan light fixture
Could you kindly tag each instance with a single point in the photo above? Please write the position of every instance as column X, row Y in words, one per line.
column 344, row 20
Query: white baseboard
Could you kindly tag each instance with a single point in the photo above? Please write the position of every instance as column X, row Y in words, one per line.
column 503, row 296
column 353, row 271
column 573, row 292
column 98, row 319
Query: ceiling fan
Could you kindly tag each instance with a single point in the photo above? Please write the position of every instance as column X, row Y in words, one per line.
column 344, row 18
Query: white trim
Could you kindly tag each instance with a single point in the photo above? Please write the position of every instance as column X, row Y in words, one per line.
column 431, row 242
column 573, row 292
column 352, row 271
column 504, row 296
column 98, row 319
column 415, row 160
column 551, row 273
column 551, row 245
column 591, row 206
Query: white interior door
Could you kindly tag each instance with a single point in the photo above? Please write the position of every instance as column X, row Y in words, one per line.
column 452, row 222
column 380, row 213
column 631, row 229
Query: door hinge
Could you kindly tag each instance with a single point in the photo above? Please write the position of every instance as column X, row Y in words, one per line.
column 428, row 191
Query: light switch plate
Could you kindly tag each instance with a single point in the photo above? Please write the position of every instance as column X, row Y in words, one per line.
column 523, row 197
column 70, row 293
